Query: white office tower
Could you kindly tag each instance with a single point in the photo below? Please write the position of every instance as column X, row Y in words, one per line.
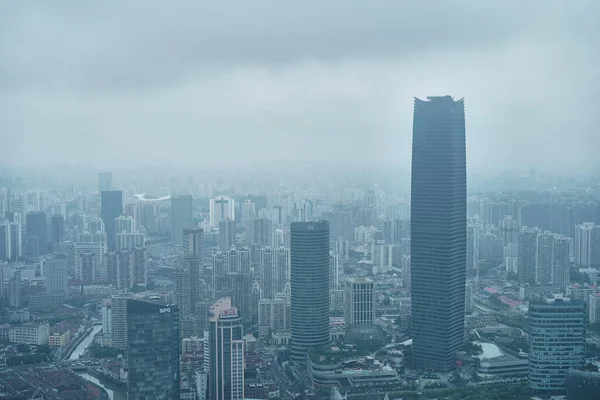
column 382, row 256
column 55, row 274
column 359, row 300
column 226, row 373
column 586, row 249
column 221, row 207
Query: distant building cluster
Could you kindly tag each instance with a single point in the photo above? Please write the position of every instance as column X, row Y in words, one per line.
column 208, row 289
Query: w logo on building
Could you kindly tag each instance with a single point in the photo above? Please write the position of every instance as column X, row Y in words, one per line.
column 310, row 227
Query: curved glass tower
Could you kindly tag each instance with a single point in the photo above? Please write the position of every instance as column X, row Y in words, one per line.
column 438, row 231
column 310, row 286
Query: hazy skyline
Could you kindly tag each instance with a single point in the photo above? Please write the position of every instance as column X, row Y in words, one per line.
column 122, row 83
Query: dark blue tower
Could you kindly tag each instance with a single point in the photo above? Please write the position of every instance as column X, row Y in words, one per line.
column 438, row 231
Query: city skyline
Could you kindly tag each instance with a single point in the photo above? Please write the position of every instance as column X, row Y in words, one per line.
column 310, row 201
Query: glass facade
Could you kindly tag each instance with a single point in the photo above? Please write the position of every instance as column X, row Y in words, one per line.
column 309, row 255
column 111, row 208
column 226, row 374
column 556, row 343
column 153, row 349
column 438, row 231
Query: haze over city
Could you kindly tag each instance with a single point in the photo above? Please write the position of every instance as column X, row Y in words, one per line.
column 136, row 83
column 345, row 200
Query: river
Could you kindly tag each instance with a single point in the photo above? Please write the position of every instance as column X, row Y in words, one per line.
column 85, row 343
column 114, row 393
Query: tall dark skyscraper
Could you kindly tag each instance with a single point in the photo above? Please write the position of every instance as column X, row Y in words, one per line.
column 193, row 241
column 153, row 347
column 226, row 234
column 57, row 228
column 438, row 231
column 181, row 217
column 37, row 233
column 309, row 255
column 111, row 208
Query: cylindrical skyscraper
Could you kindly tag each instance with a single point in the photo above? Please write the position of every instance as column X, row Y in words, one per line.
column 310, row 286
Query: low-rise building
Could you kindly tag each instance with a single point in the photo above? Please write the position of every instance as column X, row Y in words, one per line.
column 504, row 366
column 345, row 369
column 30, row 333
column 59, row 340
column 46, row 302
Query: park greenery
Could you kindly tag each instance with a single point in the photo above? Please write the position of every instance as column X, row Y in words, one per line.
column 325, row 355
column 473, row 349
column 98, row 351
column 27, row 359
column 595, row 328
column 514, row 321
column 518, row 391
column 30, row 355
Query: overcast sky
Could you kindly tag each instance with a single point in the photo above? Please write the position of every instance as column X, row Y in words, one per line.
column 121, row 83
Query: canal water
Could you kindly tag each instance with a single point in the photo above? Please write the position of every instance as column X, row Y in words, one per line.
column 114, row 393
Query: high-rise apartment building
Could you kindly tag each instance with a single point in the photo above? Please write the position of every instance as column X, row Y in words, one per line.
column 556, row 342
column 14, row 290
column 226, row 352
column 527, row 256
column 119, row 321
column 56, row 274
column 90, row 267
column 153, row 350
column 182, row 216
column 193, row 245
column 359, row 301
column 267, row 272
column 438, row 231
column 334, row 271
column 261, row 232
column 111, row 208
column 561, row 262
column 226, row 234
column 309, row 256
column 37, row 231
column 509, row 230
column 586, row 249
column 5, row 247
column 221, row 207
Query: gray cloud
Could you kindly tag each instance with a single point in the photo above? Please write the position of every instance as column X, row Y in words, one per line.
column 132, row 82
